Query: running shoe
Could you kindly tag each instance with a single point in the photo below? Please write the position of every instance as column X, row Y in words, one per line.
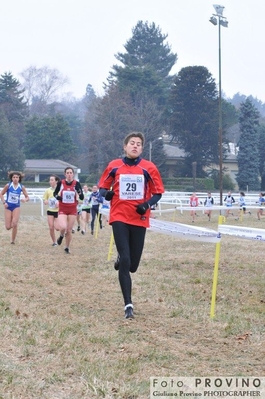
column 82, row 232
column 54, row 244
column 117, row 263
column 129, row 312
column 78, row 228
column 66, row 250
column 60, row 240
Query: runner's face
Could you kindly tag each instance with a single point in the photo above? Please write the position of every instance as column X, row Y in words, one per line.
column 52, row 181
column 15, row 179
column 69, row 175
column 133, row 148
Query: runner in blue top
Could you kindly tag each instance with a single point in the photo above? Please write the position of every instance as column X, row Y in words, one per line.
column 242, row 205
column 13, row 190
column 95, row 200
column 261, row 203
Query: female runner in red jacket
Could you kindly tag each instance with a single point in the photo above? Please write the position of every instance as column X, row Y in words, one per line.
column 133, row 185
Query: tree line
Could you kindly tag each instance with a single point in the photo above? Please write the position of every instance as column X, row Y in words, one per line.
column 139, row 95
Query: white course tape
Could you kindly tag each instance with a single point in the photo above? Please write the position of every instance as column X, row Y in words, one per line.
column 185, row 231
column 242, row 232
column 180, row 230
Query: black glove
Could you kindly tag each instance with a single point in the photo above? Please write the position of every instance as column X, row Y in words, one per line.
column 59, row 198
column 109, row 195
column 142, row 208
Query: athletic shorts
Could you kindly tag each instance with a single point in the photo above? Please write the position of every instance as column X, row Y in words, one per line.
column 12, row 207
column 51, row 213
column 67, row 210
column 87, row 210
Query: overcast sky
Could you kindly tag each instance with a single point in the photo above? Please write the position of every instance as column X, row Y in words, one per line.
column 81, row 37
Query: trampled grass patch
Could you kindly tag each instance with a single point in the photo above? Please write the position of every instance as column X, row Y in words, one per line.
column 62, row 326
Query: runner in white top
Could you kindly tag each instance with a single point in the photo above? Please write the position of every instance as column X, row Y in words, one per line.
column 229, row 201
column 209, row 201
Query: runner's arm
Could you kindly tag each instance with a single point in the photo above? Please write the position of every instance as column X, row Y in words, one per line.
column 79, row 190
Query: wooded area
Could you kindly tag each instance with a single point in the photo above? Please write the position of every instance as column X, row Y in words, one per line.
column 140, row 95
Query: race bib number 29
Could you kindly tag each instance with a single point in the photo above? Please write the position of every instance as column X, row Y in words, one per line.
column 131, row 187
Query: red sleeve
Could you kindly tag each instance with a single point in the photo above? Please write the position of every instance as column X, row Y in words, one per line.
column 107, row 178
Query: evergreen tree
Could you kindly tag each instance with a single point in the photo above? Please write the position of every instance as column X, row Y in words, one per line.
column 13, row 105
column 147, row 48
column 137, row 94
column 144, row 73
column 194, row 117
column 262, row 155
column 12, row 157
column 11, row 98
column 248, row 152
column 49, row 138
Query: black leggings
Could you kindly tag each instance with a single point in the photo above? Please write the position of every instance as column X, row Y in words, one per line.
column 129, row 240
column 94, row 214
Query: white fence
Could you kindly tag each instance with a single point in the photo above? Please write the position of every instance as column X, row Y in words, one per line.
column 176, row 199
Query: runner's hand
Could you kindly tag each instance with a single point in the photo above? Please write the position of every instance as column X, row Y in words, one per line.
column 109, row 195
column 142, row 208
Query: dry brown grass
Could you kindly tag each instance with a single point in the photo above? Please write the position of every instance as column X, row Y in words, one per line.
column 62, row 327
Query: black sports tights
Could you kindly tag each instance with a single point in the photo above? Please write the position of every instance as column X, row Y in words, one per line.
column 129, row 240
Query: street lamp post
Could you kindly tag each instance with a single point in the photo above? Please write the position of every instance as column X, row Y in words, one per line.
column 151, row 146
column 219, row 19
column 150, row 150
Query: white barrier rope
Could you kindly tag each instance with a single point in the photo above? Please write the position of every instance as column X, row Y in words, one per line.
column 242, row 232
column 180, row 230
column 185, row 231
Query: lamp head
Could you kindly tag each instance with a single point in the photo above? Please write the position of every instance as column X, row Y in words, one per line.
column 219, row 9
column 224, row 23
column 213, row 20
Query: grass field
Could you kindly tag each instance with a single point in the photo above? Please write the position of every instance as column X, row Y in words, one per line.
column 63, row 332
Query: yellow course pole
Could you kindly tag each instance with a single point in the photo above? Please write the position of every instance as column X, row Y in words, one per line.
column 215, row 274
column 111, row 246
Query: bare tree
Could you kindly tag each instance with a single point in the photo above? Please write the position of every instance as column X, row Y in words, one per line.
column 42, row 83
